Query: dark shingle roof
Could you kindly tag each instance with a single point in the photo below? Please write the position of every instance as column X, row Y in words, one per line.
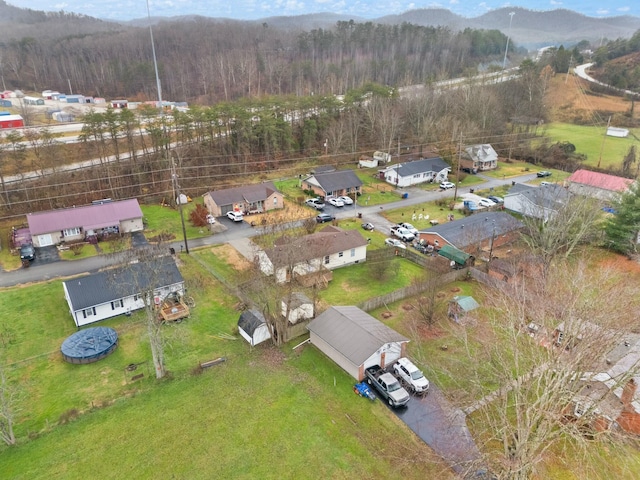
column 250, row 320
column 110, row 285
column 549, row 196
column 476, row 228
column 339, row 180
column 353, row 332
column 246, row 193
column 327, row 241
column 423, row 165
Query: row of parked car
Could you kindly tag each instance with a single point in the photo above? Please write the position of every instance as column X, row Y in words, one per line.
column 339, row 202
column 394, row 384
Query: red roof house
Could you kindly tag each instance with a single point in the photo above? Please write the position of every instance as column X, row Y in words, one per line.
column 77, row 223
column 597, row 185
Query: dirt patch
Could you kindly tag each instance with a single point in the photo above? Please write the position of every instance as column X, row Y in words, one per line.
column 272, row 357
column 427, row 332
column 232, row 257
column 572, row 100
column 162, row 237
column 621, row 264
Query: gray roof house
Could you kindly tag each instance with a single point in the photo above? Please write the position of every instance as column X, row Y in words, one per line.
column 479, row 157
column 333, row 184
column 539, row 202
column 330, row 248
column 474, row 232
column 416, row 172
column 255, row 198
column 71, row 224
column 119, row 291
column 355, row 340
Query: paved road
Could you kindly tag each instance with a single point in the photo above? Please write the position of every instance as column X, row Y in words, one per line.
column 243, row 230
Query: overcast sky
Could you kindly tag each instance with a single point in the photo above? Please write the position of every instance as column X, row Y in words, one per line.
column 255, row 9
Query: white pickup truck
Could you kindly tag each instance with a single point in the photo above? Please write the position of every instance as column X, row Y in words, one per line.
column 402, row 233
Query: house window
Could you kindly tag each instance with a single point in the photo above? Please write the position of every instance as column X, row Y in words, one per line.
column 341, row 254
column 87, row 312
column 70, row 232
column 135, row 298
column 326, row 259
column 275, row 201
column 353, row 252
column 117, row 304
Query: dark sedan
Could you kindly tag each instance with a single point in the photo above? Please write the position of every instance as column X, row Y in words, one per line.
column 324, row 217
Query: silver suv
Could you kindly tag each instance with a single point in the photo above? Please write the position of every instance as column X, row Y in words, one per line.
column 412, row 376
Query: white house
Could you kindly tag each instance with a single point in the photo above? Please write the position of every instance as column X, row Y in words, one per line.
column 328, row 249
column 117, row 291
column 253, row 327
column 72, row 224
column 416, row 172
column 355, row 340
column 538, row 202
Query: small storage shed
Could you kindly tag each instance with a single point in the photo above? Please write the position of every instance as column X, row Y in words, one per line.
column 297, row 307
column 5, row 102
column 11, row 121
column 460, row 306
column 355, row 340
column 460, row 258
column 253, row 327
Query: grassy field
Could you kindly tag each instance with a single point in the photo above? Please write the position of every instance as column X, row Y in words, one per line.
column 166, row 220
column 591, row 141
column 295, row 408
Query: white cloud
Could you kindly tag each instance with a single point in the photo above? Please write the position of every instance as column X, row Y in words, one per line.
column 454, row 2
column 623, row 9
column 602, row 11
column 555, row 3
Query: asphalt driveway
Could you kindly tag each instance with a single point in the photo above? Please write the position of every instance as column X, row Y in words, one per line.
column 443, row 427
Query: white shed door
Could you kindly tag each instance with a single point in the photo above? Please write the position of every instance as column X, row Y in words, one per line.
column 45, row 240
column 392, row 353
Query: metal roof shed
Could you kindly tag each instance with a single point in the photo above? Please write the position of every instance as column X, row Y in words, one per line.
column 458, row 256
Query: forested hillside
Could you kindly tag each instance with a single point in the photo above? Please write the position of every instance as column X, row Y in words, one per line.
column 205, row 61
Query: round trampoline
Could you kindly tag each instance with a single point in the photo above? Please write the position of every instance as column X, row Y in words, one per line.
column 89, row 345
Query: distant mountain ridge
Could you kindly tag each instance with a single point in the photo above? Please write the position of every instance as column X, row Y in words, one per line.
column 530, row 29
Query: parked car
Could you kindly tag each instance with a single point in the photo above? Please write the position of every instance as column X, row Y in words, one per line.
column 495, row 199
column 346, row 200
column 315, row 203
column 543, row 173
column 447, row 185
column 324, row 217
column 27, row 252
column 485, row 202
column 235, row 216
column 411, row 376
column 210, row 219
column 368, row 226
column 336, row 202
column 409, row 227
column 387, row 385
column 544, row 184
column 470, row 205
column 394, row 242
column 402, row 233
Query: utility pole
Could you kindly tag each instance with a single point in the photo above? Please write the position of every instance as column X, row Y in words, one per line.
column 155, row 62
column 176, row 189
column 504, row 62
column 604, row 137
column 455, row 193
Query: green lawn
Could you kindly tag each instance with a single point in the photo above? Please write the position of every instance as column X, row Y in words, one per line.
column 590, row 141
column 264, row 413
column 166, row 220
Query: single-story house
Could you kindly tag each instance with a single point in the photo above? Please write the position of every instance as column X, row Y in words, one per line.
column 597, row 185
column 355, row 340
column 479, row 158
column 256, row 198
column 328, row 249
column 416, row 172
column 460, row 306
column 475, row 232
column 121, row 290
column 333, row 184
column 253, row 327
column 539, row 202
column 78, row 223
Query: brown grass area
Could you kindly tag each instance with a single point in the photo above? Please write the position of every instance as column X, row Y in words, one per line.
column 571, row 99
column 231, row 256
